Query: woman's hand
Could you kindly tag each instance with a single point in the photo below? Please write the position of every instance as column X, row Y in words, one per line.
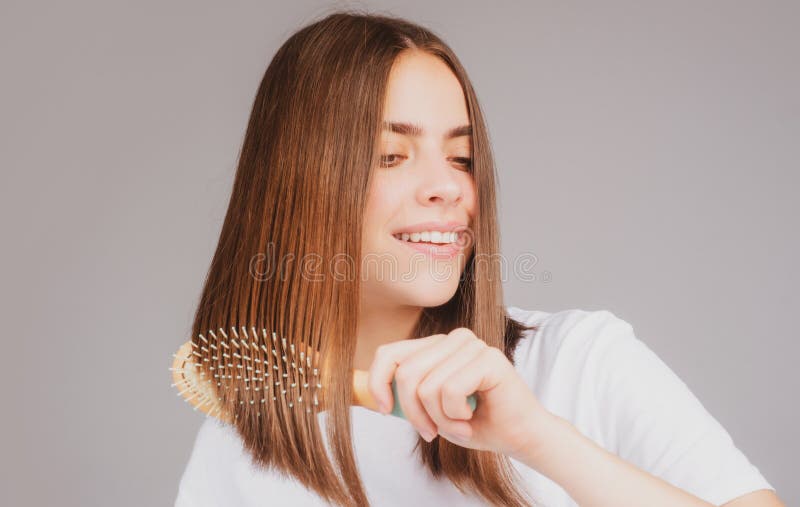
column 435, row 375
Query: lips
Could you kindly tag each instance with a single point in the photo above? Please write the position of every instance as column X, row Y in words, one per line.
column 439, row 226
column 434, row 250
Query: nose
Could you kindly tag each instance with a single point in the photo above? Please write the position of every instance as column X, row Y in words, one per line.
column 439, row 185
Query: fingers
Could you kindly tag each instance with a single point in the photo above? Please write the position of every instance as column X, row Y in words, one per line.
column 385, row 362
column 411, row 373
column 422, row 369
column 442, row 398
column 484, row 372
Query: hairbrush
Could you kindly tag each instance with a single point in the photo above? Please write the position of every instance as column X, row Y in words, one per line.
column 266, row 369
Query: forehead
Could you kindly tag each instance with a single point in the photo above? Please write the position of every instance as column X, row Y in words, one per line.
column 422, row 90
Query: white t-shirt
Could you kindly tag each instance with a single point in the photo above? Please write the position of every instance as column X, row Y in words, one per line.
column 585, row 366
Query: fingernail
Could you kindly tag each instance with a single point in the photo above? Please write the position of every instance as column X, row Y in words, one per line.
column 428, row 436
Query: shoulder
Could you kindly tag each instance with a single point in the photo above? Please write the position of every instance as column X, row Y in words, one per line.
column 575, row 323
column 590, row 368
column 582, row 356
column 568, row 336
column 574, row 356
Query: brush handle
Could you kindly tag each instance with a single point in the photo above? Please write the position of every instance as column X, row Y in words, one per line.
column 396, row 410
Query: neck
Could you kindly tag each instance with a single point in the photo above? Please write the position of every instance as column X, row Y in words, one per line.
column 382, row 324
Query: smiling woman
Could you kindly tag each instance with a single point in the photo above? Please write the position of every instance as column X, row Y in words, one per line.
column 366, row 141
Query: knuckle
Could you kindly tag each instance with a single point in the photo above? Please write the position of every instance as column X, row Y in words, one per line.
column 460, row 331
column 495, row 352
column 401, row 374
column 381, row 350
column 478, row 344
column 464, row 336
column 426, row 393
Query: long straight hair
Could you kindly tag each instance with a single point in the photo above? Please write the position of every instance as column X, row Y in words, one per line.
column 299, row 192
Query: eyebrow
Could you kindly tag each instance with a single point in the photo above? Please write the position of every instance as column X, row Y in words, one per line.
column 415, row 130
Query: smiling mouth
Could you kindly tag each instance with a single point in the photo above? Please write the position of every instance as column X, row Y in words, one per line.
column 445, row 246
column 429, row 237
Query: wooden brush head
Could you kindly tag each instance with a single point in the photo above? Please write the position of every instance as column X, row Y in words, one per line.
column 197, row 387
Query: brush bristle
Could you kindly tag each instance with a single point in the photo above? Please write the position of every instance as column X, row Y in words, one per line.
column 215, row 366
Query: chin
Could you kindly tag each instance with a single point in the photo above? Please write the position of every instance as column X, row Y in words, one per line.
column 430, row 294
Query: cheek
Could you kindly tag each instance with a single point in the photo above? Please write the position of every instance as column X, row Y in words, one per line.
column 381, row 201
column 470, row 197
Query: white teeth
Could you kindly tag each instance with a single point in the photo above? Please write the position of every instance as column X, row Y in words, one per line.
column 428, row 236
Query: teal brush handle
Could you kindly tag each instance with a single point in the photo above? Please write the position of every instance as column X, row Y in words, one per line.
column 397, row 411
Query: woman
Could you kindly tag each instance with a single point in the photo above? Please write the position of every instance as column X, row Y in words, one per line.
column 366, row 142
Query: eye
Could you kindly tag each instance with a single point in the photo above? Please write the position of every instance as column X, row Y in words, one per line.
column 385, row 159
column 391, row 160
column 465, row 162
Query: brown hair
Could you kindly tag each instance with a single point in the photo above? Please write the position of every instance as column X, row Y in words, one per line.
column 300, row 189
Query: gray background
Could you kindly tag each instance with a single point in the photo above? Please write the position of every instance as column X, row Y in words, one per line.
column 647, row 154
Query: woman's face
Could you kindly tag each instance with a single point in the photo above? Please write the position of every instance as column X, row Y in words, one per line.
column 423, row 184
